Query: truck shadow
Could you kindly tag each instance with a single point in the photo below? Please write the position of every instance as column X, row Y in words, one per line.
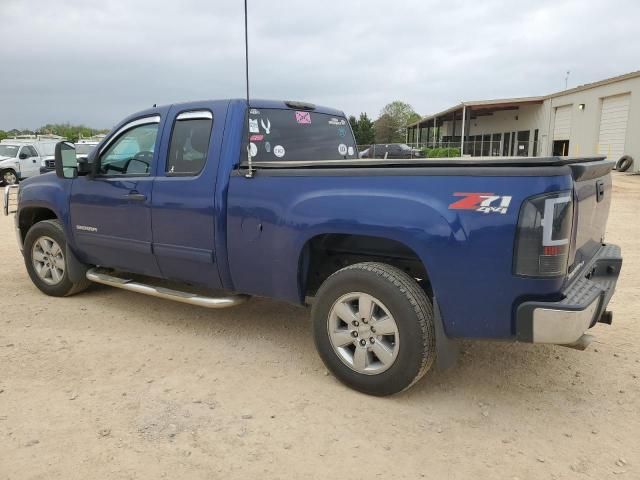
column 484, row 368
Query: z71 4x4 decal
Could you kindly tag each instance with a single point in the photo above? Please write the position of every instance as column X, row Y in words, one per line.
column 482, row 202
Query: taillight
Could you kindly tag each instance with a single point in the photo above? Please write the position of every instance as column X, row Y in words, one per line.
column 543, row 237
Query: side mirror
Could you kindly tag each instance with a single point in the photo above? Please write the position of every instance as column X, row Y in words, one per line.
column 23, row 156
column 65, row 160
column 84, row 167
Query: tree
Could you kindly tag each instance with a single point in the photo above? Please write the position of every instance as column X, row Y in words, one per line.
column 393, row 120
column 68, row 131
column 366, row 133
column 362, row 129
column 384, row 129
column 3, row 135
column 353, row 121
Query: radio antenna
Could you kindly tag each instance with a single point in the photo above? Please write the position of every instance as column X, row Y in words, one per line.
column 249, row 173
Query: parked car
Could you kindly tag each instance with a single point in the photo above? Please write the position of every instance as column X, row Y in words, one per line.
column 391, row 150
column 83, row 149
column 396, row 257
column 22, row 158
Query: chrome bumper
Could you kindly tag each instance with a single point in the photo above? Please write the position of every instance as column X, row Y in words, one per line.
column 10, row 199
column 585, row 301
column 16, row 223
column 10, row 205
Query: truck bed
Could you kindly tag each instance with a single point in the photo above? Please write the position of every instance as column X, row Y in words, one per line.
column 432, row 162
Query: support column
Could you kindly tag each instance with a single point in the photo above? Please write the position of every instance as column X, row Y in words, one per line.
column 435, row 129
column 464, row 115
column 453, row 129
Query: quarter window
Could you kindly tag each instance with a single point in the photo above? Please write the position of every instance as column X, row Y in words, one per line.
column 131, row 153
column 189, row 143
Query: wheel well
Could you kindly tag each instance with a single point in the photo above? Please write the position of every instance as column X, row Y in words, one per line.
column 325, row 254
column 32, row 215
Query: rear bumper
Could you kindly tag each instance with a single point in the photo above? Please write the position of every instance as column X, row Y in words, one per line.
column 585, row 301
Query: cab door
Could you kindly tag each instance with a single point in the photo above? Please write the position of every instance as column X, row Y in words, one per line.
column 29, row 161
column 183, row 209
column 111, row 210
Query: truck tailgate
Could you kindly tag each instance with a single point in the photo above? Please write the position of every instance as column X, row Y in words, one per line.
column 593, row 200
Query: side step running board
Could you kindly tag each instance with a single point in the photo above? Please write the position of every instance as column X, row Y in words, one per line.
column 98, row 276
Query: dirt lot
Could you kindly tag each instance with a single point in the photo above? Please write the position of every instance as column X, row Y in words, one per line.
column 110, row 384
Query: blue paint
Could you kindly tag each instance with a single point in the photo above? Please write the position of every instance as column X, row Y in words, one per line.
column 247, row 235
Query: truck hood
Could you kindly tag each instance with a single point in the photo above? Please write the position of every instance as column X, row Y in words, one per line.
column 8, row 161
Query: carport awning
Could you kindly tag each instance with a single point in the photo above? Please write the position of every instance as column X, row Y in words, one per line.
column 475, row 109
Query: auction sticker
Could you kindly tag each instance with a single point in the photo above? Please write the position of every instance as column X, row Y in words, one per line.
column 342, row 149
column 253, row 149
column 279, row 151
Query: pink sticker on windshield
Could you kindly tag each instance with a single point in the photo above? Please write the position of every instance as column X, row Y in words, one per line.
column 303, row 118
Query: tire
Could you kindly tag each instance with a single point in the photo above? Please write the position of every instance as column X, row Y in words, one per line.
column 9, row 177
column 44, row 235
column 624, row 163
column 408, row 353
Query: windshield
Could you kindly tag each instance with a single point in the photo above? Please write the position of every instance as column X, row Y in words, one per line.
column 48, row 149
column 9, row 150
column 404, row 146
column 84, row 148
column 290, row 135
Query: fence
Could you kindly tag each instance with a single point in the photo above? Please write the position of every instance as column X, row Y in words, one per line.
column 472, row 148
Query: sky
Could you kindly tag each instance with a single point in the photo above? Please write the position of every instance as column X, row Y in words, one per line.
column 96, row 61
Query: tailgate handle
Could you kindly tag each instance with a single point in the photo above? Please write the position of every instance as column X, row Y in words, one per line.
column 599, row 190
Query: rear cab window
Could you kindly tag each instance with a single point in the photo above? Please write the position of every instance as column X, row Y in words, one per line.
column 189, row 143
column 280, row 135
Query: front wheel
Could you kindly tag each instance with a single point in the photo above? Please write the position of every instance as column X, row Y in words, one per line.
column 9, row 177
column 45, row 258
column 373, row 328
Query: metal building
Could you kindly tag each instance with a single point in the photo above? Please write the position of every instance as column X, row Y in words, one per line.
column 596, row 118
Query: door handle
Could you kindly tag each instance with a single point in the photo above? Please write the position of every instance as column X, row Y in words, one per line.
column 136, row 196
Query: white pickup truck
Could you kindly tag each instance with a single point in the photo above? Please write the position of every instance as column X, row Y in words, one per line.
column 22, row 158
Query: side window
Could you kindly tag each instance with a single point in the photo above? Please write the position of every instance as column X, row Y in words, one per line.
column 189, row 143
column 131, row 153
column 30, row 151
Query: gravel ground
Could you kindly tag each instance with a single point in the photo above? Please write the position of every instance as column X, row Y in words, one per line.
column 110, row 384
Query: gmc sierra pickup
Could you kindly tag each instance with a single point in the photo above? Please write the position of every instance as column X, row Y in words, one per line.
column 396, row 257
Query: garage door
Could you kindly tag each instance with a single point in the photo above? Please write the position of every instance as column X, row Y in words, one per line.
column 613, row 126
column 562, row 124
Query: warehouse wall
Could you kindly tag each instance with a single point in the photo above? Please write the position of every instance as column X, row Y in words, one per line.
column 585, row 124
column 584, row 135
column 525, row 118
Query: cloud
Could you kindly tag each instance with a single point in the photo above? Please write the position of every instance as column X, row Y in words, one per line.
column 96, row 62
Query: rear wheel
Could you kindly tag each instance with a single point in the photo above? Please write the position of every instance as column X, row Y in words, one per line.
column 45, row 249
column 373, row 327
column 9, row 177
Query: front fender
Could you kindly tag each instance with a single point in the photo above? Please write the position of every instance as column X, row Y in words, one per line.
column 49, row 192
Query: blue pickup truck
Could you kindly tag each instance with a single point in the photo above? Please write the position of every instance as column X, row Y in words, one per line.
column 211, row 202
